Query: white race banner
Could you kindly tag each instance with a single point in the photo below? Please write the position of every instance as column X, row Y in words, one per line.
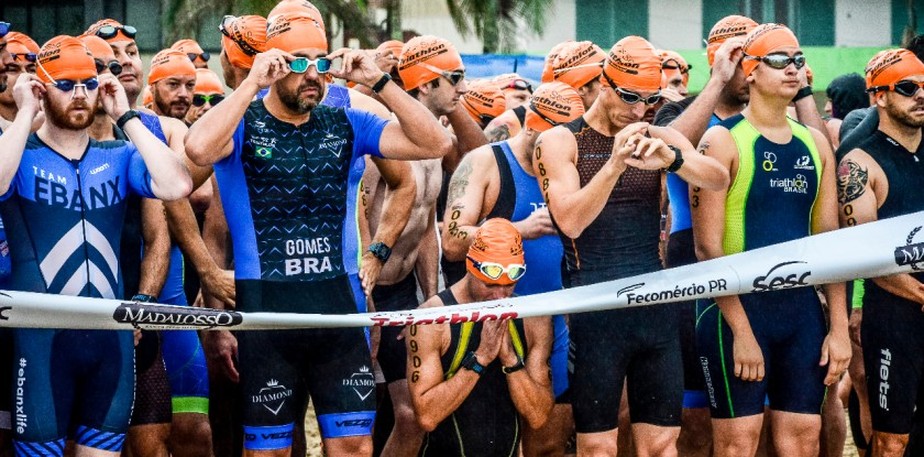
column 871, row 250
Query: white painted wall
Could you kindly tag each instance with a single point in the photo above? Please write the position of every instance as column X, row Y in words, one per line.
column 675, row 24
column 862, row 23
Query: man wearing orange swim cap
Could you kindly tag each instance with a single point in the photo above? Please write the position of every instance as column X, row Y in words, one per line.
column 516, row 89
column 878, row 179
column 196, row 55
column 242, row 38
column 601, row 176
column 783, row 188
column 23, row 51
column 122, row 39
column 517, row 197
column 499, row 365
column 483, row 101
column 312, row 251
column 5, row 57
column 207, row 93
column 172, row 79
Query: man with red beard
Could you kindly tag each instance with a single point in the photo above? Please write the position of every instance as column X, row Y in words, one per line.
column 172, row 80
column 53, row 365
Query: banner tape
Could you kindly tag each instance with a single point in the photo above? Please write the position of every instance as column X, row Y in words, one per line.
column 871, row 250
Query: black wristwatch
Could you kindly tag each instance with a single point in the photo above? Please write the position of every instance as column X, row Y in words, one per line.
column 380, row 84
column 144, row 298
column 123, row 119
column 380, row 250
column 470, row 362
column 803, row 92
column 678, row 159
column 515, row 367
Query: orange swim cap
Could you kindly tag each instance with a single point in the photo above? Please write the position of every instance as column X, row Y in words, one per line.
column 293, row 31
column 394, row 46
column 147, row 97
column 296, row 7
column 20, row 43
column 891, row 66
column 633, row 64
column 120, row 31
column 65, row 57
column 548, row 68
column 673, row 64
column 423, row 56
column 727, row 27
column 170, row 62
column 242, row 38
column 496, row 241
column 578, row 63
column 207, row 82
column 98, row 47
column 556, row 102
column 763, row 40
column 483, row 101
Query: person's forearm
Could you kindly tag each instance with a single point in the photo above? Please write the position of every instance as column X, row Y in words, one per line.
column 185, row 231
column 532, row 398
column 396, row 210
column 456, row 239
column 417, row 122
column 903, row 285
column 170, row 179
column 468, row 137
column 215, row 233
column 437, row 403
column 836, row 298
column 428, row 261
column 207, row 138
column 12, row 144
column 155, row 258
column 694, row 121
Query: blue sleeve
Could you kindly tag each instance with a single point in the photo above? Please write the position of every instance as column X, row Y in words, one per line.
column 237, row 143
column 139, row 178
column 367, row 132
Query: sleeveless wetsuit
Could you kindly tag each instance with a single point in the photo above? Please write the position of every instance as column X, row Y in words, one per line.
column 291, row 196
column 770, row 201
column 487, row 423
column 641, row 342
column 893, row 327
column 519, row 195
column 64, row 221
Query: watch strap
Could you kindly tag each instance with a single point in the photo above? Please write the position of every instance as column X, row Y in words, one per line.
column 803, row 92
column 380, row 250
column 678, row 159
column 515, row 367
column 470, row 362
column 144, row 298
column 380, row 84
column 123, row 119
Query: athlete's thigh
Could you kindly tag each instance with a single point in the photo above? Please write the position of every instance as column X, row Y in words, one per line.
column 655, row 378
column 105, row 405
column 796, row 380
column 41, row 383
column 598, row 364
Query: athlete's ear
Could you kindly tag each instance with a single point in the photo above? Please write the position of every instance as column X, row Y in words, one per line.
column 880, row 99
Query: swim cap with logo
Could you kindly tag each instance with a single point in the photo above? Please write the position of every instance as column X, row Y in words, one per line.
column 20, row 43
column 496, row 241
column 548, row 67
column 483, row 101
column 554, row 101
column 207, row 82
column 578, row 63
column 188, row 46
column 120, row 33
column 763, row 40
column 296, row 7
column 170, row 62
column 891, row 66
column 294, row 31
column 65, row 57
column 428, row 50
column 633, row 64
column 244, row 37
column 727, row 27
column 394, row 46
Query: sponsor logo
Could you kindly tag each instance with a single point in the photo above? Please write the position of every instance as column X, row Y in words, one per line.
column 272, row 397
column 179, row 317
column 629, row 289
column 362, row 382
column 769, row 163
column 804, row 163
column 3, row 315
column 354, row 423
column 677, row 293
column 779, row 280
column 91, row 197
column 397, row 320
column 885, row 362
column 708, row 378
column 333, row 144
column 21, row 418
column 797, row 185
column 912, row 253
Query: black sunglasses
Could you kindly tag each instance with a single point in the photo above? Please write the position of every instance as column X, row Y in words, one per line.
column 200, row 99
column 223, row 28
column 114, row 67
column 28, row 57
column 780, row 61
column 205, row 56
column 108, row 31
column 631, row 98
column 4, row 28
column 906, row 88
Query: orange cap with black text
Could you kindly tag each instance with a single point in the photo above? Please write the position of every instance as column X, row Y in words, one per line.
column 170, row 62
column 296, row 7
column 578, row 63
column 548, row 68
column 633, row 64
column 763, row 40
column 553, row 104
column 421, row 55
column 727, row 27
column 394, row 46
column 496, row 241
column 244, row 37
column 65, row 57
column 293, row 31
column 483, row 101
column 891, row 66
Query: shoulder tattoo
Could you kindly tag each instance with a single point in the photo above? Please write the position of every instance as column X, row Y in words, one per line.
column 852, row 180
column 459, row 181
column 498, row 133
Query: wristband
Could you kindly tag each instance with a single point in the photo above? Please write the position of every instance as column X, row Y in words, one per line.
column 129, row 115
column 144, row 298
column 378, row 86
column 515, row 367
column 678, row 159
column 803, row 92
column 470, row 362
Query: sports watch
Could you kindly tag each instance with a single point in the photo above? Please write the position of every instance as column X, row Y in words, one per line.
column 470, row 362
column 678, row 159
column 380, row 250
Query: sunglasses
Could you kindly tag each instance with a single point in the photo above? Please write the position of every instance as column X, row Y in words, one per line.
column 28, row 57
column 780, row 61
column 108, row 31
column 205, row 56
column 68, row 85
column 301, row 64
column 4, row 28
column 454, row 77
column 224, row 26
column 494, row 270
column 631, row 98
column 519, row 84
column 906, row 88
column 201, row 100
column 672, row 64
column 114, row 67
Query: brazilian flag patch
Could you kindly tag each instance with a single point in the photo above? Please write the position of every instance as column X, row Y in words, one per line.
column 264, row 152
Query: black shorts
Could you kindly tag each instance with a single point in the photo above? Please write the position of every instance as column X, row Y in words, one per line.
column 790, row 327
column 279, row 369
column 893, row 354
column 637, row 344
column 392, row 354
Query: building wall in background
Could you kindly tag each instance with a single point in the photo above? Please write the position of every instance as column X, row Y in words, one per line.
column 675, row 24
column 862, row 23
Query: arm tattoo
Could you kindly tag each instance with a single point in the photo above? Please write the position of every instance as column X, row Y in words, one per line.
column 703, row 147
column 499, row 133
column 851, row 181
column 459, row 181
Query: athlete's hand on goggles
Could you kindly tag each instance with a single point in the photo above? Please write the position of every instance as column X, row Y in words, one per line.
column 28, row 92
column 269, row 67
column 358, row 66
column 494, row 270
